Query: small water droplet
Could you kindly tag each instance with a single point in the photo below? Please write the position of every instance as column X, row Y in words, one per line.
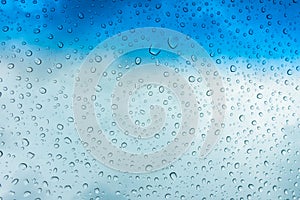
column 28, row 53
column 43, row 90
column 161, row 89
column 173, row 175
column 80, row 15
column 241, row 118
column 60, row 127
column 58, row 66
column 259, row 96
column 5, row 28
column 27, row 193
column 148, row 167
column 154, row 51
column 10, row 65
column 23, row 166
column 38, row 61
column 228, row 139
column 289, row 72
column 209, row 92
column 98, row 59
column 173, row 42
column 67, row 140
column 60, row 44
column 138, row 60
column 233, row 68
column 237, row 165
column 192, row 79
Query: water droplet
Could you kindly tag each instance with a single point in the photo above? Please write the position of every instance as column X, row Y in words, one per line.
column 237, row 165
column 209, row 92
column 148, row 167
column 228, row 139
column 251, row 186
column 25, row 142
column 38, row 61
column 60, row 127
column 60, row 44
column 30, row 155
column 269, row 16
column 5, row 28
column 138, row 60
column 173, row 42
column 70, row 119
column 29, row 69
column 28, row 53
column 154, row 51
column 43, row 90
column 27, row 193
column 191, row 79
column 173, row 175
column 285, row 31
column 242, row 118
column 259, row 96
column 67, row 140
column 58, row 66
column 161, row 89
column 98, row 59
column 80, row 15
column 123, row 145
column 15, row 181
column 233, row 68
column 23, row 166
column 10, row 65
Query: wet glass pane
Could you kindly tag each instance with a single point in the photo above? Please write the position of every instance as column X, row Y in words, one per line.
column 132, row 100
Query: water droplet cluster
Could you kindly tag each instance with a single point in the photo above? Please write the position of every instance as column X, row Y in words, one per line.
column 253, row 44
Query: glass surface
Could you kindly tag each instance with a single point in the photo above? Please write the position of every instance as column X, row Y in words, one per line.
column 122, row 100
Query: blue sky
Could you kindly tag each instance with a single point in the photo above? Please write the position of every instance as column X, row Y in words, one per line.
column 232, row 28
